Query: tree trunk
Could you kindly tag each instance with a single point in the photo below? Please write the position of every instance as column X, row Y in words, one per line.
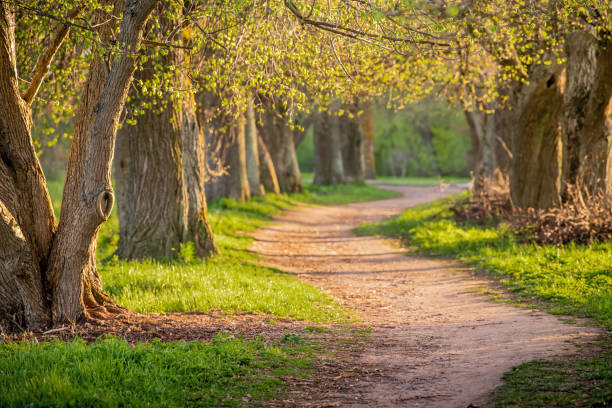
column 27, row 222
column 198, row 229
column 278, row 138
column 368, row 143
column 587, row 120
column 155, row 217
column 484, row 158
column 535, row 176
column 329, row 166
column 53, row 277
column 266, row 168
column 424, row 128
column 252, row 153
column 237, row 181
column 503, row 140
column 353, row 159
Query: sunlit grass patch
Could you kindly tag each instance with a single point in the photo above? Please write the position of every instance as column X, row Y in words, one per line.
column 567, row 383
column 231, row 281
column 228, row 372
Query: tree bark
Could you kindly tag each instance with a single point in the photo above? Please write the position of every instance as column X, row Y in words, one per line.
column 52, row 275
column 535, row 176
column 278, row 138
column 252, row 152
column 587, row 119
column 266, row 168
column 88, row 194
column 329, row 166
column 503, row 140
column 484, row 158
column 353, row 159
column 368, row 143
column 27, row 223
column 238, row 182
column 160, row 176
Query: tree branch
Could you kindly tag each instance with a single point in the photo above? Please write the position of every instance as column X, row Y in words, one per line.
column 43, row 64
column 356, row 34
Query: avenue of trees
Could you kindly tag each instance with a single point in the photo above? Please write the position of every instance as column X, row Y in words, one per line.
column 184, row 102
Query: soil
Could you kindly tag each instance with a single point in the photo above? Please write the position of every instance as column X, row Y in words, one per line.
column 436, row 340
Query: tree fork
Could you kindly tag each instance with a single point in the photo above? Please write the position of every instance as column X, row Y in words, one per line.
column 76, row 288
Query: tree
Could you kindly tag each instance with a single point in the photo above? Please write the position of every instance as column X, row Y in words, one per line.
column 48, row 273
column 368, row 142
column 329, row 165
column 252, row 152
column 267, row 171
column 587, row 114
column 160, row 172
column 277, row 134
column 536, row 169
column 352, row 148
column 550, row 57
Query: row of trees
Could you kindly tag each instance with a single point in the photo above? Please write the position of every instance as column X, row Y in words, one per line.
column 208, row 99
column 536, row 85
column 185, row 88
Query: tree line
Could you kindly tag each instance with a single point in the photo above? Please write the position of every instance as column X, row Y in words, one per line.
column 194, row 100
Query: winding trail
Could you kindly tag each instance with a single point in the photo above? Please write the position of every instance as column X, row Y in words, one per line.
column 435, row 341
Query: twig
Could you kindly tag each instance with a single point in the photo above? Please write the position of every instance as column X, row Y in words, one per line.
column 59, row 329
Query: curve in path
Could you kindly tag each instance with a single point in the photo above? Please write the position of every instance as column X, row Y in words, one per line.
column 435, row 341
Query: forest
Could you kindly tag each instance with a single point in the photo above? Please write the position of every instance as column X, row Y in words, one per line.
column 318, row 203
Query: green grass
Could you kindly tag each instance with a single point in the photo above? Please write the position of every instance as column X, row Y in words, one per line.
column 570, row 279
column 567, row 383
column 231, row 281
column 226, row 372
column 409, row 181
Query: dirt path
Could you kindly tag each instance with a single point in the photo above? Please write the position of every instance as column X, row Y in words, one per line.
column 435, row 342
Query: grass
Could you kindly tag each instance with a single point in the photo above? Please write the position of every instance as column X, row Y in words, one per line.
column 110, row 373
column 571, row 279
column 225, row 372
column 409, row 181
column 231, row 281
column 568, row 383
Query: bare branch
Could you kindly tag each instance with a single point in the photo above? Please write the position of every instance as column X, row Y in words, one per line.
column 356, row 34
